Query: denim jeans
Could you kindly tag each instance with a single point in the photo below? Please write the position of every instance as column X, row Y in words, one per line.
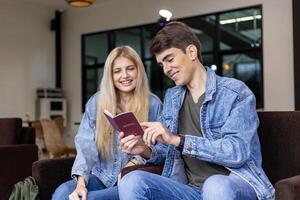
column 96, row 190
column 139, row 185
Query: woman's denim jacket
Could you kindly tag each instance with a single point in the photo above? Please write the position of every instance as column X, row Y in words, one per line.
column 88, row 160
column 229, row 125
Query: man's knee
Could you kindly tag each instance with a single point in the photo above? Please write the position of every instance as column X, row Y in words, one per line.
column 135, row 182
column 218, row 187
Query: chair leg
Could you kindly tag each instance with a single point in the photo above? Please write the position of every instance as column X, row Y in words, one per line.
column 50, row 155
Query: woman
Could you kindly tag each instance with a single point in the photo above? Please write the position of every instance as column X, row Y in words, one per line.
column 99, row 160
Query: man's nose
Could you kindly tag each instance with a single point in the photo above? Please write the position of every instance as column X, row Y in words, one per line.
column 167, row 68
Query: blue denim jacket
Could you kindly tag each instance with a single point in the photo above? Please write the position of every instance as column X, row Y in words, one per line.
column 88, row 160
column 229, row 125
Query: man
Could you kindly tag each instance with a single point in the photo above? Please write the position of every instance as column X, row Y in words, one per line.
column 210, row 126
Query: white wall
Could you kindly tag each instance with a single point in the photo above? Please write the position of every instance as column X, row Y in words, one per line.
column 105, row 15
column 26, row 56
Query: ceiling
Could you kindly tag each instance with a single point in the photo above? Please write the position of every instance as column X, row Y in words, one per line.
column 52, row 4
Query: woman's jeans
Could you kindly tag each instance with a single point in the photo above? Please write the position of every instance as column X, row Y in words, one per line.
column 96, row 190
column 138, row 185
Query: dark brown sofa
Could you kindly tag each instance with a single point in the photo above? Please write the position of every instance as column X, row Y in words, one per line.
column 17, row 153
column 279, row 134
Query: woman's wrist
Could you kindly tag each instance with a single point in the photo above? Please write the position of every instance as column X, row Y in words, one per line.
column 80, row 181
column 147, row 152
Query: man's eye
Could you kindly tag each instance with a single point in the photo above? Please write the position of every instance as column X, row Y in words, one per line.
column 170, row 60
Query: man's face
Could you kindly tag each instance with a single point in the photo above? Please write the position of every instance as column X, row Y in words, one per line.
column 176, row 64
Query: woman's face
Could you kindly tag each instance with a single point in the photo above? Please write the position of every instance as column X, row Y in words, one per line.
column 124, row 73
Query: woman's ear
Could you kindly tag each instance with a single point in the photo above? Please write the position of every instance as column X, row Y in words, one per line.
column 191, row 51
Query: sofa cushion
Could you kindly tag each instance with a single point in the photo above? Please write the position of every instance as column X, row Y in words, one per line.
column 279, row 134
column 10, row 130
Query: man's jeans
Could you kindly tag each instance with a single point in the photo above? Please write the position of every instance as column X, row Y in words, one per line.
column 96, row 190
column 139, row 185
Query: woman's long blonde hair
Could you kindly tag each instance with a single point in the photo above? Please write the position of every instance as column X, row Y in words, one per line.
column 139, row 101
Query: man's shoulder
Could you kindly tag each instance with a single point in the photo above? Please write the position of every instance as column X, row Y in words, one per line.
column 225, row 84
column 174, row 90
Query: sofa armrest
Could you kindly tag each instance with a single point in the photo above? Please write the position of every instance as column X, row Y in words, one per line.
column 16, row 162
column 49, row 174
column 288, row 189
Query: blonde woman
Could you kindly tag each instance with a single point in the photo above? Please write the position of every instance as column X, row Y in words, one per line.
column 99, row 160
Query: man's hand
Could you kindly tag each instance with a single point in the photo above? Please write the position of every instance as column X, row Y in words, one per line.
column 155, row 131
column 80, row 190
column 134, row 145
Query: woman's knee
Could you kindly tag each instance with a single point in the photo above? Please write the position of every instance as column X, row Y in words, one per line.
column 64, row 190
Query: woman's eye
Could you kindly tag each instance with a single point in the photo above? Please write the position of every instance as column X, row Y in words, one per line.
column 116, row 71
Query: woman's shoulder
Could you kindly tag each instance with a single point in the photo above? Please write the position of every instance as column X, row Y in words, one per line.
column 92, row 102
column 154, row 99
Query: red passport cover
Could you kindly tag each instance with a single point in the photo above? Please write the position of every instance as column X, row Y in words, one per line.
column 125, row 122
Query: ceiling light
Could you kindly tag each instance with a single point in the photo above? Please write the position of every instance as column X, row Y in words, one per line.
column 240, row 19
column 165, row 14
column 80, row 3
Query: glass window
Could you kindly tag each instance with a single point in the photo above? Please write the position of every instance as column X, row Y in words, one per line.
column 95, row 49
column 131, row 37
column 205, row 29
column 93, row 77
column 240, row 29
column 208, row 60
column 247, row 68
column 148, row 33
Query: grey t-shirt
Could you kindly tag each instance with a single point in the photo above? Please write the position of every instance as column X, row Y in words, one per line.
column 189, row 124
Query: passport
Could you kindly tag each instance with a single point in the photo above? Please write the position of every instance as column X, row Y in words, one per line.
column 125, row 122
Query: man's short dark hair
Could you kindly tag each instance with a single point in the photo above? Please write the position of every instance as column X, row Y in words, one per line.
column 175, row 34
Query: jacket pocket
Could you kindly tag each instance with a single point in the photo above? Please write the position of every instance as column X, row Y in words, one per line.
column 215, row 130
column 178, row 171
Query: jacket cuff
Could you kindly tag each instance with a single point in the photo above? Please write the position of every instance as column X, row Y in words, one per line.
column 75, row 175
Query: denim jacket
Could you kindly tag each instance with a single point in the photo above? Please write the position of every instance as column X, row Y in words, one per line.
column 229, row 125
column 88, row 159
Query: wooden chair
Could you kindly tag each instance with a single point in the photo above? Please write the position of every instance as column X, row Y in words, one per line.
column 53, row 139
column 39, row 138
column 60, row 123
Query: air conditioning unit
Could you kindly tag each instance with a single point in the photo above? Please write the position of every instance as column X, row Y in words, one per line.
column 51, row 108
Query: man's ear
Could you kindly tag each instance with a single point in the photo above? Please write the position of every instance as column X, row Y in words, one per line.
column 191, row 51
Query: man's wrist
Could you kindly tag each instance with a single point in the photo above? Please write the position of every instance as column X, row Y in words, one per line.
column 180, row 146
column 175, row 140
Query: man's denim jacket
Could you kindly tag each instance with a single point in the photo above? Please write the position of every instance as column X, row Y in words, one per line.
column 229, row 125
column 88, row 160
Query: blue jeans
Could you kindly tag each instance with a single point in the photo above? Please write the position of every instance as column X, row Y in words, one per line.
column 140, row 185
column 96, row 190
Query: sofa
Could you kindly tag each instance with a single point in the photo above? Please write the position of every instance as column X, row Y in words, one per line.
column 17, row 153
column 279, row 134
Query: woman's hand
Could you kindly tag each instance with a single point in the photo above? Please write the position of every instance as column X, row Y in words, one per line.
column 80, row 190
column 132, row 144
column 156, row 132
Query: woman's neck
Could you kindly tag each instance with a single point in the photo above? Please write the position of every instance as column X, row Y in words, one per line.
column 123, row 102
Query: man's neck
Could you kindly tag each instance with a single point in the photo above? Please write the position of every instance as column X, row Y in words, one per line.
column 197, row 84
